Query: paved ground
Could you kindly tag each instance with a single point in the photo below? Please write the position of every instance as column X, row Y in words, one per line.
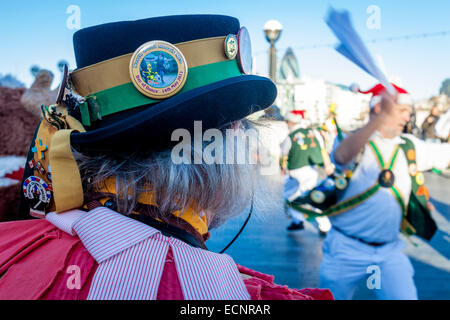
column 294, row 258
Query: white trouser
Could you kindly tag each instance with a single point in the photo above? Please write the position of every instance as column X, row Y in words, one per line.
column 300, row 181
column 386, row 269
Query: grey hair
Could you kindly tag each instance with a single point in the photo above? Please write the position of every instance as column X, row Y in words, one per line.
column 218, row 190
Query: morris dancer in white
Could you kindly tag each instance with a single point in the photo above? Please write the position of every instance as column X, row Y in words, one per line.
column 302, row 151
column 385, row 187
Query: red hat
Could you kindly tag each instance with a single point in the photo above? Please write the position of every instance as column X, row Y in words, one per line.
column 402, row 98
column 295, row 115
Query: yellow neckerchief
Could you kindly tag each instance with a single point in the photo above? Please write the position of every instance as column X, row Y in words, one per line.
column 189, row 215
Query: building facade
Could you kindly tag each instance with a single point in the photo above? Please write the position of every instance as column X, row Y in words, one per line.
column 296, row 91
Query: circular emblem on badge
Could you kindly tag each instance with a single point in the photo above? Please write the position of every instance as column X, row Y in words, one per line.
column 412, row 168
column 245, row 51
column 341, row 182
column 298, row 137
column 317, row 196
column 158, row 69
column 329, row 184
column 37, row 192
column 386, row 178
column 411, row 155
column 420, row 179
column 231, row 46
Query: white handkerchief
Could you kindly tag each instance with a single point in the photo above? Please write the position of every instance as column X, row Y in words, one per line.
column 352, row 47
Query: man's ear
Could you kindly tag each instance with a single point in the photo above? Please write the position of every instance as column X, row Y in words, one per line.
column 377, row 108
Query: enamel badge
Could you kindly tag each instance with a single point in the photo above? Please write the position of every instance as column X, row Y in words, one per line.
column 423, row 191
column 37, row 192
column 245, row 51
column 317, row 196
column 158, row 69
column 386, row 178
column 341, row 182
column 329, row 184
column 411, row 155
column 412, row 169
column 231, row 46
column 420, row 179
column 39, row 148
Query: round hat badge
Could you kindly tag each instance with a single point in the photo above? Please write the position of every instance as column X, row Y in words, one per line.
column 158, row 69
column 231, row 46
column 245, row 51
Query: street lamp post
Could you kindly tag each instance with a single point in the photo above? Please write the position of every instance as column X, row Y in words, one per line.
column 272, row 31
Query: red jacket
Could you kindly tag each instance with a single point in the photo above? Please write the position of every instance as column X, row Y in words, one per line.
column 39, row 261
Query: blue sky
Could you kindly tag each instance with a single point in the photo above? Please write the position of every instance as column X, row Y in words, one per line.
column 35, row 32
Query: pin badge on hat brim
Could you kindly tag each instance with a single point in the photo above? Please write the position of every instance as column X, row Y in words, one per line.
column 244, row 51
column 158, row 69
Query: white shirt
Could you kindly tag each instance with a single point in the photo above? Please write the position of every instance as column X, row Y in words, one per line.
column 131, row 258
column 378, row 219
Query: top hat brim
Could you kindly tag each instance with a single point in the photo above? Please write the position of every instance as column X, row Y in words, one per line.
column 150, row 128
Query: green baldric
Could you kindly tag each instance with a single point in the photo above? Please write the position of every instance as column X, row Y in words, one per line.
column 363, row 196
column 340, row 136
column 417, row 218
column 393, row 188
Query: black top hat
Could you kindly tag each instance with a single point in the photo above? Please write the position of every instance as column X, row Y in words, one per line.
column 121, row 113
